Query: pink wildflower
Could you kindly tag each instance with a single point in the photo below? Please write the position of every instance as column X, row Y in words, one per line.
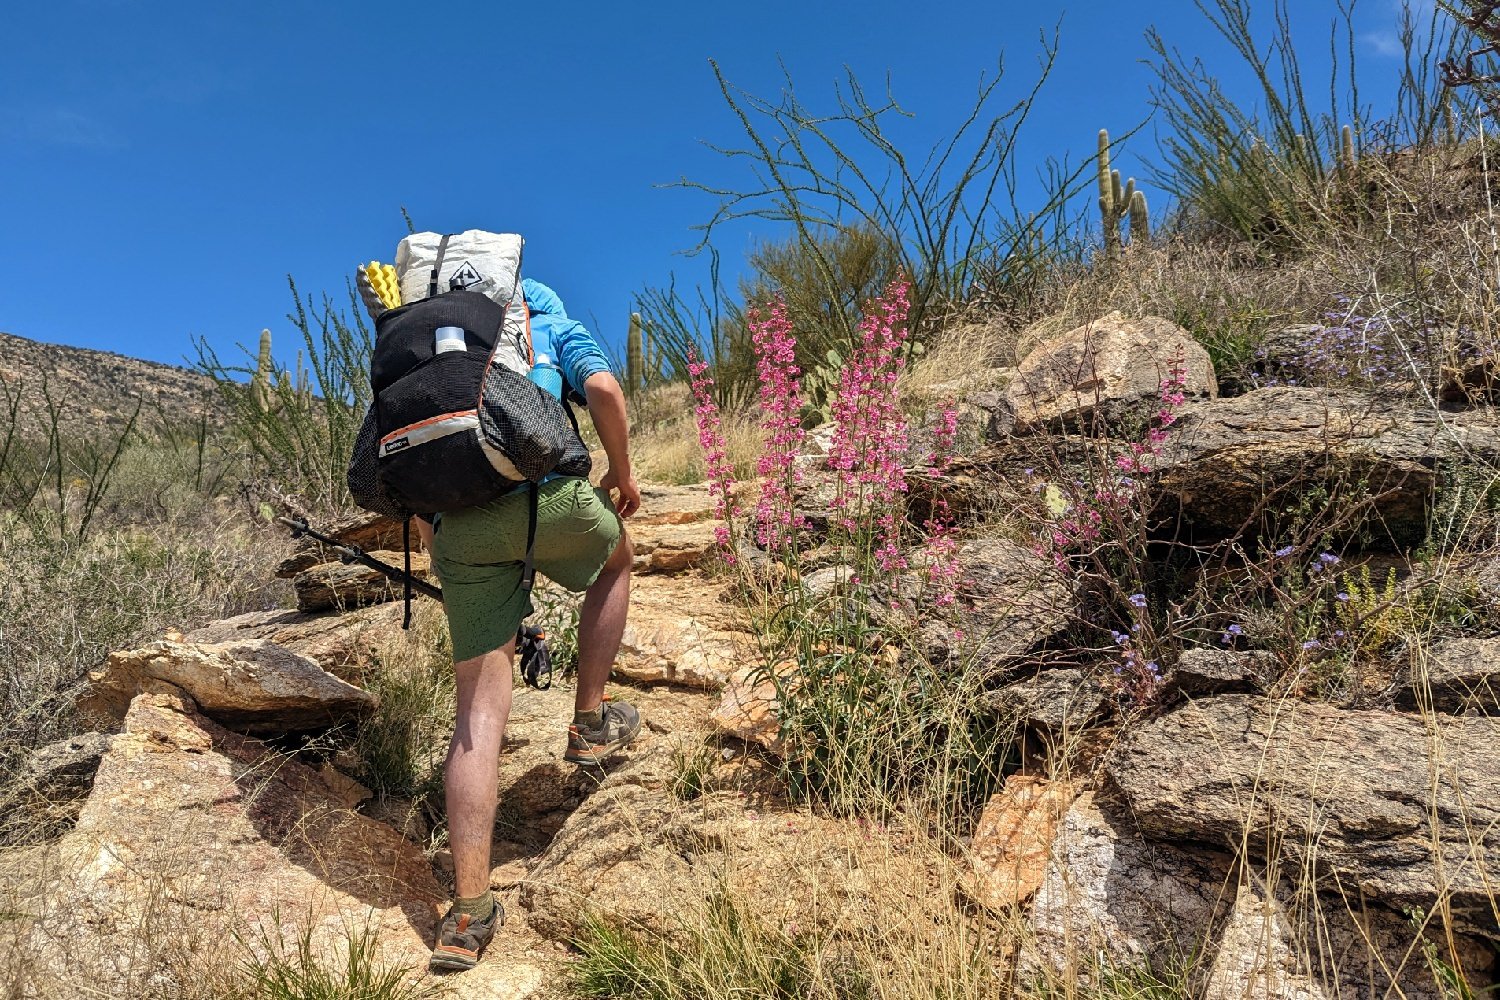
column 781, row 423
column 715, row 454
column 869, row 442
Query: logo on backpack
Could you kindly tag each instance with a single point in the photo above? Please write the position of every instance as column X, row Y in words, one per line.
column 464, row 278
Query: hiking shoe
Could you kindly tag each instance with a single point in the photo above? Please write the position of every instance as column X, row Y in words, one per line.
column 591, row 746
column 461, row 938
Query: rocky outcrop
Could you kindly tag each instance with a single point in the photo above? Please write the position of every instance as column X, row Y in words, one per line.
column 643, row 859
column 671, row 547
column 203, row 834
column 1457, row 676
column 1103, row 373
column 1403, row 809
column 251, row 685
column 1229, row 463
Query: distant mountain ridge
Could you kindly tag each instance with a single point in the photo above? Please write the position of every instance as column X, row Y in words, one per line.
column 100, row 390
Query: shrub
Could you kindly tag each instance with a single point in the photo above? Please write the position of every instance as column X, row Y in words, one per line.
column 300, row 424
column 301, row 971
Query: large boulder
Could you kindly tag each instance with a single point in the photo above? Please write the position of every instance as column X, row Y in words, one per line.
column 1112, row 901
column 1103, row 374
column 251, row 685
column 1058, row 701
column 195, row 838
column 1229, row 463
column 1403, row 809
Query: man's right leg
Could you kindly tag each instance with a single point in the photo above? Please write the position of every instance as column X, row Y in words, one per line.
column 600, row 728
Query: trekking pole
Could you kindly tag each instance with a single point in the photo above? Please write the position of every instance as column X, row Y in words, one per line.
column 355, row 554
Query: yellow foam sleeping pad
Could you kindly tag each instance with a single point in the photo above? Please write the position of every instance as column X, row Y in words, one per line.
column 383, row 281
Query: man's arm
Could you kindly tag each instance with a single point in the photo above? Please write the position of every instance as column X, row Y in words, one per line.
column 607, row 411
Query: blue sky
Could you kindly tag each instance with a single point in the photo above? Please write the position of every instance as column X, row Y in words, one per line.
column 164, row 165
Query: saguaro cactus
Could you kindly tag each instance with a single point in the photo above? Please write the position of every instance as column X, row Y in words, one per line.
column 1118, row 202
column 260, row 382
column 635, row 356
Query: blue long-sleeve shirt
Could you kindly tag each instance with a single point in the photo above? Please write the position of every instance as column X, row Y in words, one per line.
column 568, row 342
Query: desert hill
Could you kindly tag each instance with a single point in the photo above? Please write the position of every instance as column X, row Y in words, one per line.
column 99, row 390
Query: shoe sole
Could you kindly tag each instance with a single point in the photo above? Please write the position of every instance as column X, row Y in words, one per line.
column 597, row 753
column 451, row 963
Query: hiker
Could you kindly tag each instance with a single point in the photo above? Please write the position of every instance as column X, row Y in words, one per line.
column 477, row 552
column 508, row 474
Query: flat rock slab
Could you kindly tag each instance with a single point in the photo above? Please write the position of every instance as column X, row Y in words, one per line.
column 252, row 685
column 681, row 632
column 345, row 645
column 1457, row 676
column 1393, row 805
column 671, row 547
column 1228, row 462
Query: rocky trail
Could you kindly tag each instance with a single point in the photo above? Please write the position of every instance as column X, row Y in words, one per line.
column 1291, row 844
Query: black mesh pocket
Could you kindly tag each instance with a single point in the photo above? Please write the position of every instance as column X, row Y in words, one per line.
column 444, row 383
column 431, row 458
column 523, row 422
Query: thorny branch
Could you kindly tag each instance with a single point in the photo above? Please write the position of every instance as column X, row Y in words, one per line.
column 1481, row 20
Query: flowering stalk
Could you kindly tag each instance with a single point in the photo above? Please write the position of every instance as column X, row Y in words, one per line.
column 776, row 524
column 715, row 453
column 869, row 442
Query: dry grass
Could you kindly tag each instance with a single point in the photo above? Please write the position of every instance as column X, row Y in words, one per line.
column 664, row 437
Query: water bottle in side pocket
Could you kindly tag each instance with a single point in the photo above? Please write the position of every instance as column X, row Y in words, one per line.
column 545, row 373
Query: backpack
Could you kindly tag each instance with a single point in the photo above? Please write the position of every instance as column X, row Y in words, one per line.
column 459, row 428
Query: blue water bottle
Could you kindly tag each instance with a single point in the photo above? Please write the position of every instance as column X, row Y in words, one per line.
column 545, row 373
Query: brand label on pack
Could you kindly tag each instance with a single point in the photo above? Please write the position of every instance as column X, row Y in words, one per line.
column 394, row 445
column 464, row 278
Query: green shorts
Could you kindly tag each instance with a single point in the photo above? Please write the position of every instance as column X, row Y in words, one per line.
column 479, row 554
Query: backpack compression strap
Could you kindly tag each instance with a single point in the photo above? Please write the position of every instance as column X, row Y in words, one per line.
column 528, row 573
column 437, row 266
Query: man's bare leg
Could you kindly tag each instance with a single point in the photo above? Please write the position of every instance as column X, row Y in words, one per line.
column 471, row 776
column 601, row 624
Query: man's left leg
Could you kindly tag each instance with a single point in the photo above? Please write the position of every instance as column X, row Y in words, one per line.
column 470, row 780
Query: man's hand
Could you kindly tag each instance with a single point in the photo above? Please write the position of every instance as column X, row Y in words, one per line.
column 629, row 500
